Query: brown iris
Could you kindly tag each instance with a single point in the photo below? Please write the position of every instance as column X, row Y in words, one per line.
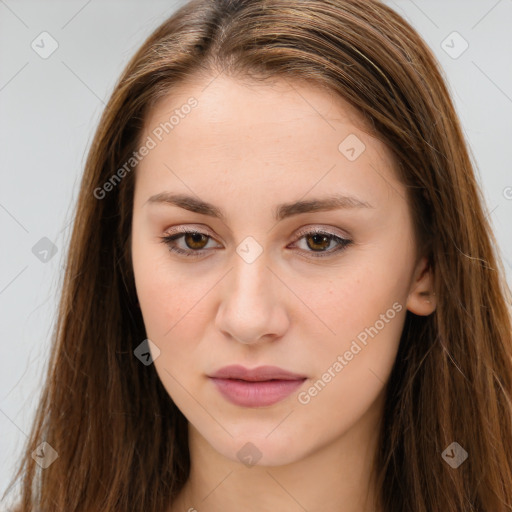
column 192, row 239
column 318, row 239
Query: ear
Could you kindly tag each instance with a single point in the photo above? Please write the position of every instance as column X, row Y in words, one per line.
column 422, row 298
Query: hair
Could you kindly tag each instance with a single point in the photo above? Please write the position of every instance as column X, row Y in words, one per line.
column 122, row 443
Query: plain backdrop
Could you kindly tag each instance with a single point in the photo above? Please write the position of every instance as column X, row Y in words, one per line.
column 50, row 107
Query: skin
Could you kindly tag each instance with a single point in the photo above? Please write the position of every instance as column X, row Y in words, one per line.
column 245, row 148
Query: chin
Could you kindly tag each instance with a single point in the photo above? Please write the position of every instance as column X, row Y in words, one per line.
column 261, row 449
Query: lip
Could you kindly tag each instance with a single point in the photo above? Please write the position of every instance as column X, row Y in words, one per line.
column 256, row 387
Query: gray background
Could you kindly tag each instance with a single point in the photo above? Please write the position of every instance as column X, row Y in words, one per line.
column 50, row 107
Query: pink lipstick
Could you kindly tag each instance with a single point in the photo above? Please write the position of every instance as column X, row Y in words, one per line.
column 257, row 387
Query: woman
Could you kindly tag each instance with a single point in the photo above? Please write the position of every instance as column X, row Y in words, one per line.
column 282, row 290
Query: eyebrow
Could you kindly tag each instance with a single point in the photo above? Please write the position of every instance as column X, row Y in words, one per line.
column 282, row 211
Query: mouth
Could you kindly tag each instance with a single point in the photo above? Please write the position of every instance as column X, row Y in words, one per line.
column 258, row 387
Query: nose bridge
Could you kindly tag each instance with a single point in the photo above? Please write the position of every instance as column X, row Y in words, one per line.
column 249, row 307
column 251, row 280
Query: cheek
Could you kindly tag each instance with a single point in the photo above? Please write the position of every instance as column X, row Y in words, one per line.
column 355, row 297
column 161, row 290
column 353, row 364
column 168, row 303
column 172, row 299
column 363, row 311
column 170, row 306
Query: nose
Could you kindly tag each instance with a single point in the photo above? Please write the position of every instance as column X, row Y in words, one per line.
column 252, row 306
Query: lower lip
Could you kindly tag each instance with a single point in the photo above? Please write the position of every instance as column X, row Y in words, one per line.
column 256, row 394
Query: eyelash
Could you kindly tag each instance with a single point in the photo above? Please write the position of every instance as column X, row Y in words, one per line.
column 169, row 240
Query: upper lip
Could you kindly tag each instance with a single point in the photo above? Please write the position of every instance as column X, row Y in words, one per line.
column 261, row 373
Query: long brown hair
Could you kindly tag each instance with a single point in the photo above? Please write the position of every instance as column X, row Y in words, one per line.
column 121, row 441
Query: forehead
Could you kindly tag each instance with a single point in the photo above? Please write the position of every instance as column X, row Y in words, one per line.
column 277, row 105
column 262, row 138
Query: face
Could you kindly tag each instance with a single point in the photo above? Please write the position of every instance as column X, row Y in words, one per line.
column 248, row 277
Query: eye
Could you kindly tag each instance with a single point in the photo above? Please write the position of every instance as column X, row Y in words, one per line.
column 320, row 240
column 196, row 242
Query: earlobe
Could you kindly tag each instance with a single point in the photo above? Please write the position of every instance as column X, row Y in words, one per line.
column 422, row 298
